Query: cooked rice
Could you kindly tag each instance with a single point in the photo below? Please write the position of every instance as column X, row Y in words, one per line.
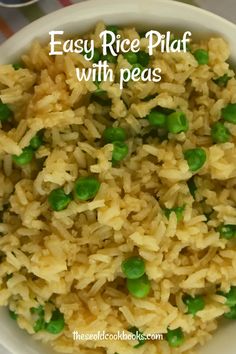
column 72, row 259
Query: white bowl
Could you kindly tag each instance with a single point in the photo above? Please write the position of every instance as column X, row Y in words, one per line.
column 152, row 14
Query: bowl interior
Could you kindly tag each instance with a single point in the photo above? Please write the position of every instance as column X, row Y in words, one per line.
column 148, row 14
column 154, row 14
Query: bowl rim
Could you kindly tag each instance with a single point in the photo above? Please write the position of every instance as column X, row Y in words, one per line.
column 48, row 22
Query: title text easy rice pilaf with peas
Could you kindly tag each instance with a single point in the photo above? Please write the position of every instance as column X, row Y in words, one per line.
column 118, row 207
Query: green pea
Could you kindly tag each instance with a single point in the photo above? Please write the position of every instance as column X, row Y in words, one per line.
column 202, row 56
column 194, row 304
column 39, row 325
column 141, row 337
column 192, row 186
column 25, row 157
column 13, row 315
column 96, row 56
column 56, row 324
column 227, row 231
column 220, row 133
column 175, row 337
column 133, row 267
column 229, row 113
column 231, row 315
column 36, row 141
column 231, row 297
column 196, row 158
column 137, row 66
column 86, row 188
column 177, row 122
column 58, row 200
column 17, row 66
column 140, row 287
column 222, row 80
column 112, row 134
column 5, row 112
column 178, row 212
column 120, row 151
column 112, row 28
column 109, row 58
column 156, row 118
column 143, row 58
column 131, row 57
column 37, row 310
